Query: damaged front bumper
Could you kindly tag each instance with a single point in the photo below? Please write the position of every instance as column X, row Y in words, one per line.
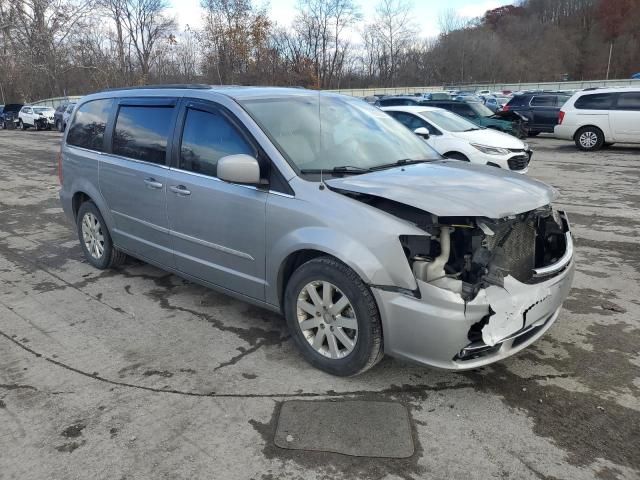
column 438, row 328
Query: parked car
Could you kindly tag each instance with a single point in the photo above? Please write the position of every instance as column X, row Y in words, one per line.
column 327, row 210
column 480, row 115
column 453, row 136
column 540, row 109
column 396, row 100
column 597, row 118
column 9, row 115
column 31, row 116
column 66, row 114
column 491, row 103
column 437, row 96
column 57, row 116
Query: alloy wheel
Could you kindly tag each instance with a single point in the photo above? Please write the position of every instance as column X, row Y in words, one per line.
column 327, row 319
column 92, row 235
column 588, row 139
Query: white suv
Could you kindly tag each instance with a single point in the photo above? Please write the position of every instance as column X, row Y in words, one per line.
column 599, row 117
column 28, row 116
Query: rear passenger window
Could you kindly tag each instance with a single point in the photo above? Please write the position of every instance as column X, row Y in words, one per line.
column 141, row 133
column 629, row 101
column 206, row 138
column 87, row 130
column 596, row 101
column 543, row 101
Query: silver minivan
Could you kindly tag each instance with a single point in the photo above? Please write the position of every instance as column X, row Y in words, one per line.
column 323, row 208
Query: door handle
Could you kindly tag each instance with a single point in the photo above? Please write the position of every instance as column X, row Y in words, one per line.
column 152, row 183
column 180, row 190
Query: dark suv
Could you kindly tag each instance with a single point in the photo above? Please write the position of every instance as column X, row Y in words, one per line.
column 9, row 115
column 540, row 108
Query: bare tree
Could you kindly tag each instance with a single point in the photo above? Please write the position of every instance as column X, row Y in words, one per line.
column 146, row 23
column 321, row 26
column 395, row 30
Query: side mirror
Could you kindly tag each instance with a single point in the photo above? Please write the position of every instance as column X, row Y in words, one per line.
column 239, row 168
column 422, row 132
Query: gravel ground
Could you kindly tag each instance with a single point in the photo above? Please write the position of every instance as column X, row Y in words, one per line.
column 136, row 373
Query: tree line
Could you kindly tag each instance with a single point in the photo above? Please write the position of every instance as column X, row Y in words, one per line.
column 70, row 47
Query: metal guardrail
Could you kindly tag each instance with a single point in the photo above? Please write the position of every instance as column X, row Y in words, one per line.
column 514, row 87
column 55, row 101
column 365, row 92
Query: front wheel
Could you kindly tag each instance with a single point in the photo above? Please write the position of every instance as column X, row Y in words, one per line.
column 95, row 239
column 589, row 139
column 333, row 317
column 22, row 125
column 456, row 156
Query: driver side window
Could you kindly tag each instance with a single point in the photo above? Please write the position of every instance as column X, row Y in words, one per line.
column 206, row 138
column 412, row 122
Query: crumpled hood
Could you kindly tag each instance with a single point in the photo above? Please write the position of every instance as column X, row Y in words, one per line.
column 451, row 188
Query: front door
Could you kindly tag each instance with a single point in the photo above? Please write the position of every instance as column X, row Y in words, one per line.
column 133, row 177
column 625, row 118
column 217, row 228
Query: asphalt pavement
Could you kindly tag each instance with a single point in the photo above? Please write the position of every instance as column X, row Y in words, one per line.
column 138, row 374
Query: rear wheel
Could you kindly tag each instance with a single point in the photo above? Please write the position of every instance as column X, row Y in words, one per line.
column 95, row 238
column 589, row 139
column 333, row 317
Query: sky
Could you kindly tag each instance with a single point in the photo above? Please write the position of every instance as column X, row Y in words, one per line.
column 426, row 12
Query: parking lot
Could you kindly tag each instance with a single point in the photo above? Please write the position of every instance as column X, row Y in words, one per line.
column 136, row 373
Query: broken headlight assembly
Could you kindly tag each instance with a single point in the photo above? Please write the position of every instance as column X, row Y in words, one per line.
column 463, row 255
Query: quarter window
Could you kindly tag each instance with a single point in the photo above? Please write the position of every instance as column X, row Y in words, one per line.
column 596, row 101
column 206, row 138
column 629, row 101
column 543, row 101
column 87, row 130
column 142, row 132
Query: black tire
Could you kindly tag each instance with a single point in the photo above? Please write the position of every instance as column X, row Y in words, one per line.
column 368, row 349
column 22, row 125
column 533, row 133
column 111, row 256
column 456, row 156
column 589, row 139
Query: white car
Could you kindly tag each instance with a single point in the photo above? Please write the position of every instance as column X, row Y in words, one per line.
column 453, row 136
column 595, row 118
column 28, row 116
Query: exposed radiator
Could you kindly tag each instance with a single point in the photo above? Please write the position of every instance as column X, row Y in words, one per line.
column 518, row 243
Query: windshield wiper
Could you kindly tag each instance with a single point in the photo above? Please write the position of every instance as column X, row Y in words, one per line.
column 473, row 129
column 399, row 163
column 338, row 169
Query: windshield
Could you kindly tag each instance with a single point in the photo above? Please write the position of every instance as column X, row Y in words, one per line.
column 42, row 110
column 448, row 121
column 481, row 110
column 327, row 131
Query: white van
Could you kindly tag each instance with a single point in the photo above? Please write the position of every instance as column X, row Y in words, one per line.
column 600, row 117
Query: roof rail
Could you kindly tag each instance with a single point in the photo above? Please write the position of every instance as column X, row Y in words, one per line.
column 191, row 86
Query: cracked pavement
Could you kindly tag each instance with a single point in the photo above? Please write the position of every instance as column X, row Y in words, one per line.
column 135, row 373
